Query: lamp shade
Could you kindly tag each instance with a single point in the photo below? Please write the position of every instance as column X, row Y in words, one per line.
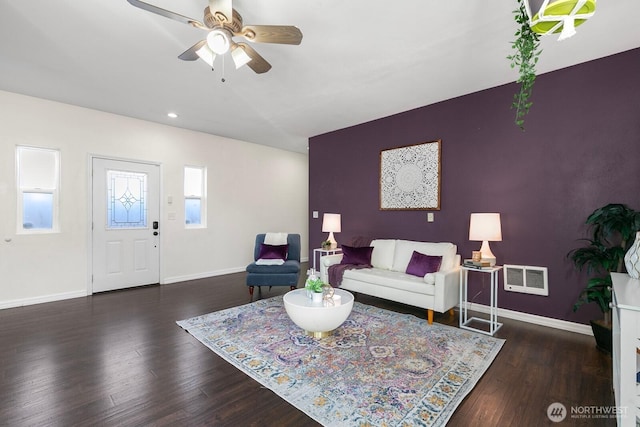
column 331, row 223
column 485, row 226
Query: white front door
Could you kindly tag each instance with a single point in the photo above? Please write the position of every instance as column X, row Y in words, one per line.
column 126, row 211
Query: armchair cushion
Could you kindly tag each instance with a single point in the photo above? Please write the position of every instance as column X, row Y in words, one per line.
column 273, row 251
column 272, row 254
column 286, row 267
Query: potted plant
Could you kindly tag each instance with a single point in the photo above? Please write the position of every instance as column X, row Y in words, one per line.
column 326, row 245
column 525, row 58
column 612, row 229
column 315, row 287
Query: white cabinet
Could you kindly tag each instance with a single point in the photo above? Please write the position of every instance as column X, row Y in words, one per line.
column 626, row 341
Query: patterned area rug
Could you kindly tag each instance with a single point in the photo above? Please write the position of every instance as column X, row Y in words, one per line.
column 380, row 368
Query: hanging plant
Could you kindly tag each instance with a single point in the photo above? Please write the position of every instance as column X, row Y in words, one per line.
column 526, row 56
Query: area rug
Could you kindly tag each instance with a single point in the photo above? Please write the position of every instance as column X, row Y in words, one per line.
column 379, row 368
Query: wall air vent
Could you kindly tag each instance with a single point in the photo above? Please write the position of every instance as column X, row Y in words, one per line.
column 526, row 279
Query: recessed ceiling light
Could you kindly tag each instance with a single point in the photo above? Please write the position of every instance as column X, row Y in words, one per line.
column 172, row 115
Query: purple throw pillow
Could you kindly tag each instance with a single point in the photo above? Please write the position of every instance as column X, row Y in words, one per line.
column 273, row 251
column 356, row 256
column 422, row 264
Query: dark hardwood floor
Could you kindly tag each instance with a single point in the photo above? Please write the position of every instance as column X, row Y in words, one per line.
column 119, row 359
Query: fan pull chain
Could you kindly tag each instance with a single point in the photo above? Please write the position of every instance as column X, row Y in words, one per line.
column 223, row 80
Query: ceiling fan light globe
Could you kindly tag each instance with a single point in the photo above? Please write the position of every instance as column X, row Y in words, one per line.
column 206, row 55
column 239, row 56
column 218, row 42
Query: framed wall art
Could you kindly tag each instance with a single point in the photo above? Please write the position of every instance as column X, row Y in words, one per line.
column 410, row 177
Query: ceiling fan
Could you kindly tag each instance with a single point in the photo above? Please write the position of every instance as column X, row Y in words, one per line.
column 223, row 22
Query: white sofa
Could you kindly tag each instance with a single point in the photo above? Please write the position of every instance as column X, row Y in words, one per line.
column 439, row 291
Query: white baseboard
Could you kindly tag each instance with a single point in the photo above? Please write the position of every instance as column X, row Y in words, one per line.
column 41, row 299
column 535, row 319
column 204, row 275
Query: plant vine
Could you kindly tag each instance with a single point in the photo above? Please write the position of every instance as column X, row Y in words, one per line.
column 526, row 57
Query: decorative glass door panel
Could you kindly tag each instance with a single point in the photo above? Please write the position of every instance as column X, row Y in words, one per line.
column 126, row 199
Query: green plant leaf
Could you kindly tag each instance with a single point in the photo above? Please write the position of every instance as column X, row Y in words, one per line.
column 611, row 228
column 525, row 58
column 314, row 285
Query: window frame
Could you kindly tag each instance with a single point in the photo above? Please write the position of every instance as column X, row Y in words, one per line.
column 21, row 190
column 202, row 197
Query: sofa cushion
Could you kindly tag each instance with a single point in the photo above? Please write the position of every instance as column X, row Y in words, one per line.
column 391, row 279
column 421, row 264
column 404, row 251
column 356, row 256
column 382, row 255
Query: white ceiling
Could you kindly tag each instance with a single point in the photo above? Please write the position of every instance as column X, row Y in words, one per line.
column 359, row 60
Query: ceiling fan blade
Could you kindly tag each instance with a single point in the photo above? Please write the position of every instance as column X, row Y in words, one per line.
column 191, row 53
column 167, row 14
column 222, row 10
column 283, row 34
column 257, row 63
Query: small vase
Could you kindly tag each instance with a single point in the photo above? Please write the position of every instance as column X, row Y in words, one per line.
column 316, row 297
column 632, row 258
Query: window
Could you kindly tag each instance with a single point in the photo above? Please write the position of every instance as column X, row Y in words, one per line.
column 38, row 177
column 195, row 193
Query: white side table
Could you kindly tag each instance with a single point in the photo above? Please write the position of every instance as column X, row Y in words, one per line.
column 493, row 307
column 324, row 252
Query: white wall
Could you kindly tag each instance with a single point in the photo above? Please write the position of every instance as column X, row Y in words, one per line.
column 251, row 189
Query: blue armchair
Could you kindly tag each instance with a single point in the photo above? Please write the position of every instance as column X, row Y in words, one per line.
column 286, row 274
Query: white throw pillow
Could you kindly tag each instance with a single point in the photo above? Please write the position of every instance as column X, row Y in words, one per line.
column 382, row 255
column 268, row 261
column 276, row 238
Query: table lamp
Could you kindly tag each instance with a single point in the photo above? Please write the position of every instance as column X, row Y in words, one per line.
column 485, row 227
column 331, row 224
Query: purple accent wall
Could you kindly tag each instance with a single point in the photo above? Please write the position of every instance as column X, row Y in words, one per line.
column 580, row 151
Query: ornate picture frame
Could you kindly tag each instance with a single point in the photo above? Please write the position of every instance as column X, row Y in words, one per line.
column 410, row 177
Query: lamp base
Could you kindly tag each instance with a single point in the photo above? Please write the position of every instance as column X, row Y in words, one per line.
column 332, row 239
column 491, row 261
column 486, row 254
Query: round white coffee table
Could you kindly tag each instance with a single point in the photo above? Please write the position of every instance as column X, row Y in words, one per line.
column 318, row 319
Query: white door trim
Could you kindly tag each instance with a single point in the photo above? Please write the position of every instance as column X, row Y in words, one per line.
column 90, row 158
